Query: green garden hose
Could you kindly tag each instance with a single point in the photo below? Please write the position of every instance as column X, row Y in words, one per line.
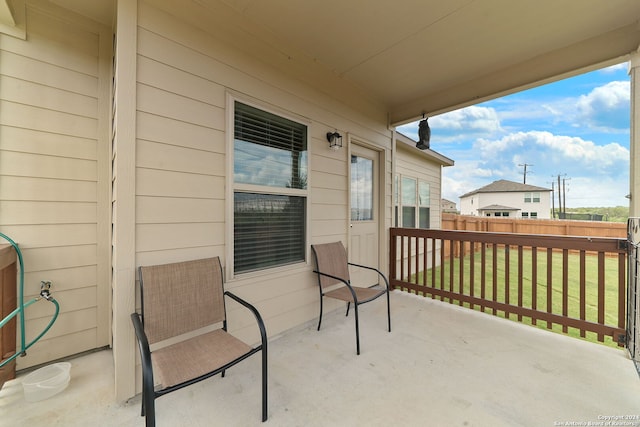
column 44, row 293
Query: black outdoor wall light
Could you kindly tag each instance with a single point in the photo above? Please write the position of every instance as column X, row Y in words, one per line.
column 335, row 140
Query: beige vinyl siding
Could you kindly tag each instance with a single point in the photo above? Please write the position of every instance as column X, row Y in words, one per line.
column 184, row 77
column 53, row 175
column 329, row 189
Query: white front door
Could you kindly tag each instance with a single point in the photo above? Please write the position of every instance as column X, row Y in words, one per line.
column 363, row 248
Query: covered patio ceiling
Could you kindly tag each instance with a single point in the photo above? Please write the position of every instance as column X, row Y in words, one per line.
column 420, row 57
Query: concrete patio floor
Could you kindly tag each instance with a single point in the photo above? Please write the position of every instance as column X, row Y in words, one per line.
column 441, row 366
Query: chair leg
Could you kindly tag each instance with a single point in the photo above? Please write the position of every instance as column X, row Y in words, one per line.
column 320, row 318
column 264, row 383
column 148, row 399
column 149, row 409
column 142, row 405
column 389, row 311
column 355, row 310
column 348, row 305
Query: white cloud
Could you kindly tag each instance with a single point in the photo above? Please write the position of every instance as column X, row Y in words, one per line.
column 571, row 154
column 614, row 68
column 598, row 175
column 606, row 107
column 465, row 176
column 472, row 119
column 410, row 130
column 464, row 124
column 584, row 191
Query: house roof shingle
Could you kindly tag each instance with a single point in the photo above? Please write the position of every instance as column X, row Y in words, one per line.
column 505, row 186
column 498, row 208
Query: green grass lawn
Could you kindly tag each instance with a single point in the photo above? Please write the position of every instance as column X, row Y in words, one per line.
column 591, row 288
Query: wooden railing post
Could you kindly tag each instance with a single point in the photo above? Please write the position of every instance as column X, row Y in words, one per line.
column 8, row 303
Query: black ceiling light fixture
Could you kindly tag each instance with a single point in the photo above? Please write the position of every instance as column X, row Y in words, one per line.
column 424, row 133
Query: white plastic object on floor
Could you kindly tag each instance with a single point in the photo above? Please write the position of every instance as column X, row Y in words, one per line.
column 47, row 381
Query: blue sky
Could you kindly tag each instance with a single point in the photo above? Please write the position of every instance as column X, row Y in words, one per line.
column 577, row 128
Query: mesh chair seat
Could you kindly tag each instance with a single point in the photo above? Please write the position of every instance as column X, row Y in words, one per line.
column 195, row 357
column 362, row 294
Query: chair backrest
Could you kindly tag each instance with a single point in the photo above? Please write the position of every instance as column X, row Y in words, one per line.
column 181, row 297
column 331, row 258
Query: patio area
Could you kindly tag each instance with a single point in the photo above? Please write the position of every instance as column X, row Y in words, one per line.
column 440, row 366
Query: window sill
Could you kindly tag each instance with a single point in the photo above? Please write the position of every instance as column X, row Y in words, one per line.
column 271, row 273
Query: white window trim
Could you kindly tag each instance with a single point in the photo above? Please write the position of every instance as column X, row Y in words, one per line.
column 231, row 187
column 398, row 204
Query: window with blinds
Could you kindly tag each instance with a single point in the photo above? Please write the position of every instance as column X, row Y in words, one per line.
column 412, row 202
column 408, row 202
column 269, row 224
column 424, row 203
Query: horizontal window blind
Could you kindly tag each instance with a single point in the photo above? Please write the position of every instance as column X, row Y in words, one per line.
column 268, row 149
column 269, row 226
column 269, row 230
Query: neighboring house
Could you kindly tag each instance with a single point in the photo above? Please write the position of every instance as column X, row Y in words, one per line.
column 447, row 206
column 505, row 198
column 418, row 185
column 139, row 132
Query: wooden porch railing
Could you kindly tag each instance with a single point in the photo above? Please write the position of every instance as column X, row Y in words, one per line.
column 574, row 282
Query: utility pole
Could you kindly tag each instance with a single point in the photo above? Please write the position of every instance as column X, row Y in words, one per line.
column 525, row 171
column 553, row 201
column 559, row 198
column 562, row 197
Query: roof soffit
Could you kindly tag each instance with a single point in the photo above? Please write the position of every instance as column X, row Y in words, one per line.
column 409, row 57
column 428, row 56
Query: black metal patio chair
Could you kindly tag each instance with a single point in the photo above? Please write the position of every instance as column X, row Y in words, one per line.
column 177, row 299
column 332, row 268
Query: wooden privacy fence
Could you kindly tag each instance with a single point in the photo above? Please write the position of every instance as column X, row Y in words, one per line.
column 534, row 226
column 574, row 282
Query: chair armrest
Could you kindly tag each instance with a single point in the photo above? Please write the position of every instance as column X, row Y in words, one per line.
column 347, row 284
column 256, row 313
column 145, row 352
column 371, row 268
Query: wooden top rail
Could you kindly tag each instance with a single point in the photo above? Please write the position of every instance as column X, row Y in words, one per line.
column 595, row 244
